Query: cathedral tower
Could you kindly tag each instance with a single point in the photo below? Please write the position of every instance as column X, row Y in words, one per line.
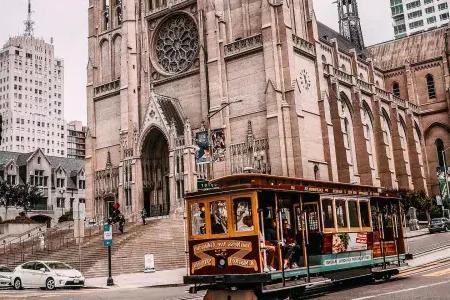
column 349, row 23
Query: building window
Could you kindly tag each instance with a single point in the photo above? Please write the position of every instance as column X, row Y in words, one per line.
column 440, row 153
column 60, row 202
column 396, row 89
column 430, row 86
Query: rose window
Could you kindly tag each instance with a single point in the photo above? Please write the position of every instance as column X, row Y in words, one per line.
column 176, row 44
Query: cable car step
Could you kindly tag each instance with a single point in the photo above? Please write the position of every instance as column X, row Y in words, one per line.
column 386, row 272
column 349, row 274
column 293, row 284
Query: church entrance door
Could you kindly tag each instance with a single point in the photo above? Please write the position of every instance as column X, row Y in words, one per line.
column 155, row 174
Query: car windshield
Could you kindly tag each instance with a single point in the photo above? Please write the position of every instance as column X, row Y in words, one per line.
column 436, row 221
column 5, row 269
column 58, row 266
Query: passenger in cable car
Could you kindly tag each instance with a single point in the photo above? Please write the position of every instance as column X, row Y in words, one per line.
column 270, row 235
column 292, row 250
column 219, row 217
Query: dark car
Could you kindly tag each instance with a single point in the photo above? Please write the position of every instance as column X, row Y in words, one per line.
column 439, row 224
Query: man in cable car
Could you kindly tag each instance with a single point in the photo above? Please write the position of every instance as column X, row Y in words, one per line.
column 270, row 235
column 292, row 250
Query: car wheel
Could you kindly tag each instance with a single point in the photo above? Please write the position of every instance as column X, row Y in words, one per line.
column 446, row 229
column 50, row 284
column 17, row 284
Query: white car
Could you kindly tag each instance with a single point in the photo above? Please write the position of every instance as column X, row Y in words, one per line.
column 46, row 274
column 5, row 276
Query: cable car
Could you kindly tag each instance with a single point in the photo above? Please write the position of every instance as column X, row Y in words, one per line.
column 255, row 236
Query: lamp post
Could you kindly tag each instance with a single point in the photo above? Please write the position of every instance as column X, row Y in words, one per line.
column 446, row 172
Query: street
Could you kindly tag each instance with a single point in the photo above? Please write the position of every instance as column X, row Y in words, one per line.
column 427, row 281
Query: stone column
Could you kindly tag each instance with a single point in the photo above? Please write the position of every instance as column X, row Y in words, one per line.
column 341, row 152
column 399, row 158
column 362, row 157
column 385, row 174
column 190, row 174
column 417, row 165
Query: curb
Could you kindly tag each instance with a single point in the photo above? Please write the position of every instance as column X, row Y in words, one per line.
column 167, row 285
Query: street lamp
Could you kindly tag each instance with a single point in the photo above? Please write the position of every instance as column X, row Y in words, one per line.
column 446, row 172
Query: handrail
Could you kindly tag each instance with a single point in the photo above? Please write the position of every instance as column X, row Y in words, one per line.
column 18, row 237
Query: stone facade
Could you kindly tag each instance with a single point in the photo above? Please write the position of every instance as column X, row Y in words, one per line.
column 180, row 91
column 417, row 68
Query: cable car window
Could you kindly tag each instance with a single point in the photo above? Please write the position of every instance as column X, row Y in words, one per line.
column 219, row 217
column 243, row 218
column 365, row 214
column 198, row 219
column 341, row 214
column 327, row 208
column 353, row 213
column 312, row 216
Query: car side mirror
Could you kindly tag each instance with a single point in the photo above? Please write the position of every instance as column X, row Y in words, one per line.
column 42, row 270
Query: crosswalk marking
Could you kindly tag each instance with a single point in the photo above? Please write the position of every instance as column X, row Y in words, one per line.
column 438, row 273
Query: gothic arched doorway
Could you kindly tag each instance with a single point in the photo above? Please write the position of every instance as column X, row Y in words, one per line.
column 155, row 173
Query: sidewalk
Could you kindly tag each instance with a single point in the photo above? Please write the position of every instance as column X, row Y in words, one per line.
column 411, row 234
column 136, row 280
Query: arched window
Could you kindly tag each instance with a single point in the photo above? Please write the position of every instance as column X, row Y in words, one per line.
column 347, row 132
column 117, row 48
column 387, row 139
column 105, row 59
column 343, row 68
column 430, row 86
column 440, row 152
column 404, row 144
column 369, row 137
column 417, row 137
column 396, row 89
column 105, row 15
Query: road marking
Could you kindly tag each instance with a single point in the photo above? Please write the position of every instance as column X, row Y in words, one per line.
column 404, row 290
column 438, row 273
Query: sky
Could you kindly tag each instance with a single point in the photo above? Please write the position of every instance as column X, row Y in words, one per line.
column 66, row 22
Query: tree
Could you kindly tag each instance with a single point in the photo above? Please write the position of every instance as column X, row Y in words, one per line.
column 9, row 195
column 29, row 195
column 416, row 199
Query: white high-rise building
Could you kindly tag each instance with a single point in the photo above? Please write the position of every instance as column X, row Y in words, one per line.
column 412, row 16
column 31, row 96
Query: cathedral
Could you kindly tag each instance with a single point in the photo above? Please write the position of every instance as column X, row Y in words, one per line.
column 180, row 92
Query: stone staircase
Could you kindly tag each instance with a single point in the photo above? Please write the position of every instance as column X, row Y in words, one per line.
column 162, row 237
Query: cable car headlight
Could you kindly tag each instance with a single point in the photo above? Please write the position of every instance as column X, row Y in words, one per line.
column 222, row 262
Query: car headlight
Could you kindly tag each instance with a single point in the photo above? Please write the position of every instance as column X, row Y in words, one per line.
column 60, row 275
column 5, row 276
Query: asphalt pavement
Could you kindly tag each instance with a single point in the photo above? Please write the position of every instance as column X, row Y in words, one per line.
column 429, row 278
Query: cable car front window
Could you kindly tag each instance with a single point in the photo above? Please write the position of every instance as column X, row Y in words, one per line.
column 243, row 214
column 219, row 217
column 198, row 219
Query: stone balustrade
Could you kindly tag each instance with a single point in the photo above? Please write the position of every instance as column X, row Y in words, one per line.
column 303, row 45
column 364, row 86
column 244, row 45
column 343, row 77
column 165, row 5
column 382, row 94
column 107, row 88
column 399, row 101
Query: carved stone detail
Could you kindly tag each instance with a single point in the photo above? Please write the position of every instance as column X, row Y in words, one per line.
column 176, row 44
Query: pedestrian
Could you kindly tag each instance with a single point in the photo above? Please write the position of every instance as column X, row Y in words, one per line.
column 121, row 223
column 143, row 215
